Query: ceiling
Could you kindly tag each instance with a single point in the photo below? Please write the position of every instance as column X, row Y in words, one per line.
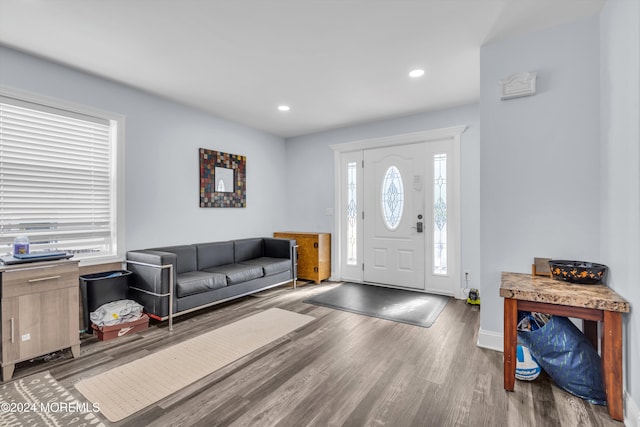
column 334, row 62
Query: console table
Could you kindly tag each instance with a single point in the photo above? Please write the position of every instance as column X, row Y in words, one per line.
column 591, row 303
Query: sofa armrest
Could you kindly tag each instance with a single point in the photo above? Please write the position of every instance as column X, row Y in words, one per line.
column 278, row 248
column 148, row 272
column 153, row 279
column 283, row 248
column 151, row 256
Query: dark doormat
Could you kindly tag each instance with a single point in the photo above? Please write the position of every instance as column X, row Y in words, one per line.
column 398, row 305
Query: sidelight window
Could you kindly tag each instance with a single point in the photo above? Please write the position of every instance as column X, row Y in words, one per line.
column 352, row 214
column 440, row 214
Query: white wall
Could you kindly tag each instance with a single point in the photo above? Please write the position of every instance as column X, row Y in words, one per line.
column 620, row 201
column 162, row 141
column 310, row 174
column 540, row 166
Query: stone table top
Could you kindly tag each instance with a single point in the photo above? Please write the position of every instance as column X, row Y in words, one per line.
column 547, row 290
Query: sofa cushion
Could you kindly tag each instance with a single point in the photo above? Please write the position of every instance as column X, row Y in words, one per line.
column 270, row 266
column 186, row 257
column 238, row 273
column 195, row 282
column 214, row 254
column 248, row 249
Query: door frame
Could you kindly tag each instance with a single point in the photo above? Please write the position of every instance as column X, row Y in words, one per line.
column 450, row 133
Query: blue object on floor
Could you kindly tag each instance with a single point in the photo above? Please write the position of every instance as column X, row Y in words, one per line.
column 527, row 368
column 568, row 357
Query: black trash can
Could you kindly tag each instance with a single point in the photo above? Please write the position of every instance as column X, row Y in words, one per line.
column 101, row 288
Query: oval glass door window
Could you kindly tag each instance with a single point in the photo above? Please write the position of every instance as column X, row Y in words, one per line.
column 392, row 198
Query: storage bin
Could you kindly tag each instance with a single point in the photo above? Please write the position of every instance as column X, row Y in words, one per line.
column 100, row 288
column 109, row 332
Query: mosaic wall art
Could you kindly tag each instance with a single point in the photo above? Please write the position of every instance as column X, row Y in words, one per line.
column 223, row 182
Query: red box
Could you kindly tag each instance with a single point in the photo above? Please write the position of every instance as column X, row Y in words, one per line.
column 109, row 332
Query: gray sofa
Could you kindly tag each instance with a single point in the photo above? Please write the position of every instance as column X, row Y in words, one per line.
column 174, row 280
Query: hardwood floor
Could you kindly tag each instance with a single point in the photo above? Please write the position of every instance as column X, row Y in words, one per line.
column 342, row 369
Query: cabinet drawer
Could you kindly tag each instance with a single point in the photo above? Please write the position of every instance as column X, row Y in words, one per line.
column 24, row 281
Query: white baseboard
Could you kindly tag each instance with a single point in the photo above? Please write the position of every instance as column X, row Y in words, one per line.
column 491, row 340
column 632, row 413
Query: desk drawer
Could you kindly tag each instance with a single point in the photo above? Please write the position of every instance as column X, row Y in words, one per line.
column 32, row 279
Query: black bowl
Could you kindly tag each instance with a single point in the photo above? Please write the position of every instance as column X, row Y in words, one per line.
column 584, row 273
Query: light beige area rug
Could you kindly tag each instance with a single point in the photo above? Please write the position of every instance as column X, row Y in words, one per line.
column 125, row 390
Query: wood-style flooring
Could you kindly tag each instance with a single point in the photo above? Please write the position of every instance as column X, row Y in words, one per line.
column 342, row 369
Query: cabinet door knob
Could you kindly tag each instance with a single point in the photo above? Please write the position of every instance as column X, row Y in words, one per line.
column 315, row 245
column 12, row 329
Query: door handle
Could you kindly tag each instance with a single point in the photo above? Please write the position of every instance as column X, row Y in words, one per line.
column 419, row 226
column 42, row 279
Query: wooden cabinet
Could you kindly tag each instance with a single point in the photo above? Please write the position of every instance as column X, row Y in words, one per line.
column 39, row 311
column 314, row 254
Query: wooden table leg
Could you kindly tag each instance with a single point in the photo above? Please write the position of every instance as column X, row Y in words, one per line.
column 612, row 363
column 510, row 342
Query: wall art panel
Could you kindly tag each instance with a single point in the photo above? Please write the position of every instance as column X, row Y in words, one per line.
column 223, row 181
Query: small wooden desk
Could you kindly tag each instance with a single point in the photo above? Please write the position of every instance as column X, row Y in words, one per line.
column 591, row 303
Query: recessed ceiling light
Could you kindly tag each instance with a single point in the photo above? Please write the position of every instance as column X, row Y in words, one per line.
column 416, row 73
column 284, row 108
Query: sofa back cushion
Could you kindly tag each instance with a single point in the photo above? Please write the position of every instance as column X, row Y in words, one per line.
column 185, row 255
column 248, row 249
column 214, row 254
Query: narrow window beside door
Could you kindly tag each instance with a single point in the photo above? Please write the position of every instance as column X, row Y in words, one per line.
column 440, row 214
column 352, row 213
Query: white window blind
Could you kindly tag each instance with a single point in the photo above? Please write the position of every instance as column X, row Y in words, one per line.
column 56, row 184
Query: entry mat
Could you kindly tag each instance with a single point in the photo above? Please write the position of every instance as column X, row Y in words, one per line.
column 398, row 305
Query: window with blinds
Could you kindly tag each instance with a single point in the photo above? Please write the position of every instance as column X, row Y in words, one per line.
column 56, row 179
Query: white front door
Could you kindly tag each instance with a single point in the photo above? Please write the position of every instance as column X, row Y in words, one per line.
column 394, row 220
column 385, row 187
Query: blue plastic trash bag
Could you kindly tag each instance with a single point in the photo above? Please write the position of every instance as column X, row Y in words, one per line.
column 568, row 357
